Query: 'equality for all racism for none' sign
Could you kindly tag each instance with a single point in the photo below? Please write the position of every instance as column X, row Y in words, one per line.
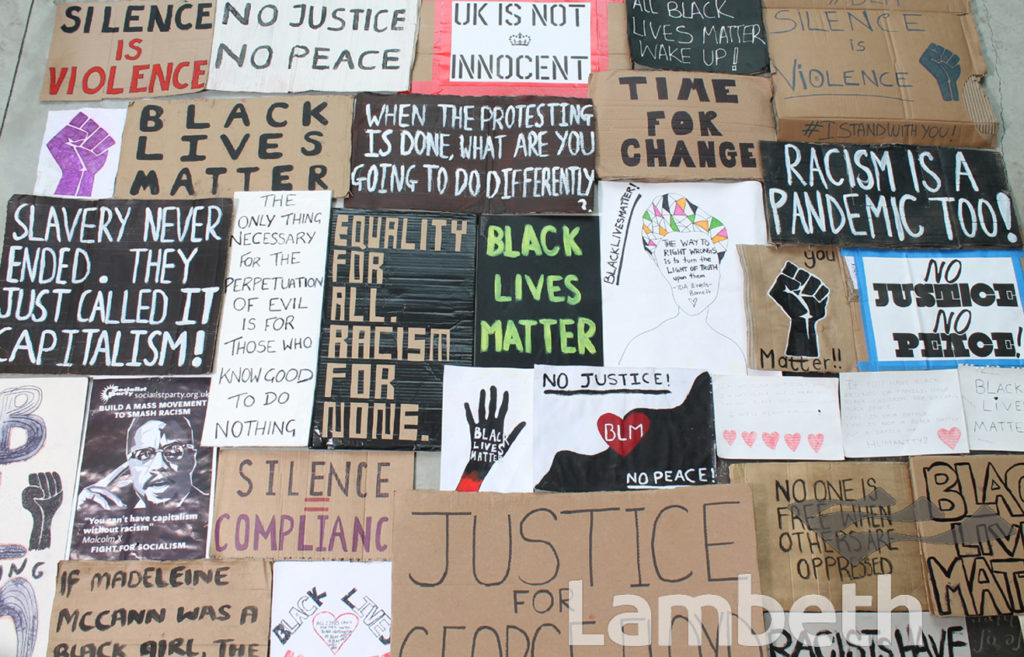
column 898, row 196
column 125, row 287
column 337, row 45
column 398, row 307
column 668, row 126
column 262, row 386
column 527, row 154
column 307, row 504
column 925, row 309
column 726, row 36
column 204, row 147
column 538, row 296
column 128, row 50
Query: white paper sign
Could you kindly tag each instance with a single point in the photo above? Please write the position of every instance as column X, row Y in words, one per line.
column 331, row 608
column 672, row 290
column 993, row 404
column 40, row 436
column 520, row 42
column 617, row 428
column 487, row 429
column 80, row 152
column 902, row 413
column 262, row 388
column 323, row 45
column 779, row 418
column 868, row 633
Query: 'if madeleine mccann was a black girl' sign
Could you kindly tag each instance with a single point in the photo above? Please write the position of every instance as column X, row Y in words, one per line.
column 125, row 287
column 887, row 196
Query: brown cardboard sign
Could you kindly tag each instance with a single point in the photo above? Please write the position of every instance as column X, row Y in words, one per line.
column 801, row 309
column 300, row 504
column 971, row 533
column 674, row 126
column 541, row 574
column 179, row 149
column 822, row 525
column 878, row 73
column 152, row 608
column 128, row 50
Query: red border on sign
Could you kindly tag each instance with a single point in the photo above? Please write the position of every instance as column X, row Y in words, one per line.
column 441, row 83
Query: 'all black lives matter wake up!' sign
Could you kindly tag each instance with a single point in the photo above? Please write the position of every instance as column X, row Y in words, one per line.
column 112, row 287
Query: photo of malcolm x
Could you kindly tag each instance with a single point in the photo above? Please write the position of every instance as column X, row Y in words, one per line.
column 157, row 474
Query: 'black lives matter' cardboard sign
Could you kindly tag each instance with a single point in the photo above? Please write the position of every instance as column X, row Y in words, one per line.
column 279, row 143
column 538, row 296
column 398, row 307
column 484, row 154
column 662, row 125
column 726, row 36
column 115, row 287
column 900, row 196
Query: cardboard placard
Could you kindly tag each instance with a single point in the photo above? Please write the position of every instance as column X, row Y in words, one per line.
column 552, row 593
column 198, row 607
column 995, row 636
column 940, row 308
column 104, row 287
column 801, row 309
column 492, row 47
column 398, row 307
column 144, row 483
column 538, row 292
column 299, row 504
column 772, row 418
column 854, row 72
column 487, row 444
column 335, row 606
column 605, row 428
column 261, row 392
column 222, row 146
column 993, row 403
column 80, row 152
column 482, row 154
column 128, row 49
column 970, row 529
column 897, row 196
column 663, row 125
column 902, row 413
column 823, row 525
column 41, row 424
column 672, row 292
column 724, row 37
column 339, row 45
column 885, row 633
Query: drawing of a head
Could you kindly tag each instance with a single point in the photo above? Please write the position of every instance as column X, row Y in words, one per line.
column 688, row 245
column 161, row 458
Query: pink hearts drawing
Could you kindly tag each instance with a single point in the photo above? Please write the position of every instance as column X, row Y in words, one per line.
column 770, row 439
column 729, row 436
column 623, row 434
column 749, row 437
column 792, row 441
column 950, row 437
column 816, row 440
column 334, row 630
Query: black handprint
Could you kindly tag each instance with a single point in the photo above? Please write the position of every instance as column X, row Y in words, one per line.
column 803, row 297
column 42, row 498
column 944, row 65
column 487, row 438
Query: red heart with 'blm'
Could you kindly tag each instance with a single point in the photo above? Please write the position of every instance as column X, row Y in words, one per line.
column 729, row 436
column 623, row 433
column 770, row 439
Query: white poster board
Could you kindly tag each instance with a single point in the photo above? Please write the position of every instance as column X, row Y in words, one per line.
column 80, row 152
column 672, row 281
column 323, row 45
column 993, row 405
column 262, row 386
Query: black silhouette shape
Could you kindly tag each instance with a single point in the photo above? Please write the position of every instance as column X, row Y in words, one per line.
column 42, row 498
column 944, row 65
column 488, row 440
column 804, row 298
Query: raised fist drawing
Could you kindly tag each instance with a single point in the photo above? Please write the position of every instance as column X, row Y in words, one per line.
column 80, row 149
column 944, row 65
column 488, row 440
column 42, row 498
column 803, row 297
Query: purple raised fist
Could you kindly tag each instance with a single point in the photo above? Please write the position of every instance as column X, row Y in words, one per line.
column 80, row 149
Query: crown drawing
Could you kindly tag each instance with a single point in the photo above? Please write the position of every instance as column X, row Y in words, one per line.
column 519, row 39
